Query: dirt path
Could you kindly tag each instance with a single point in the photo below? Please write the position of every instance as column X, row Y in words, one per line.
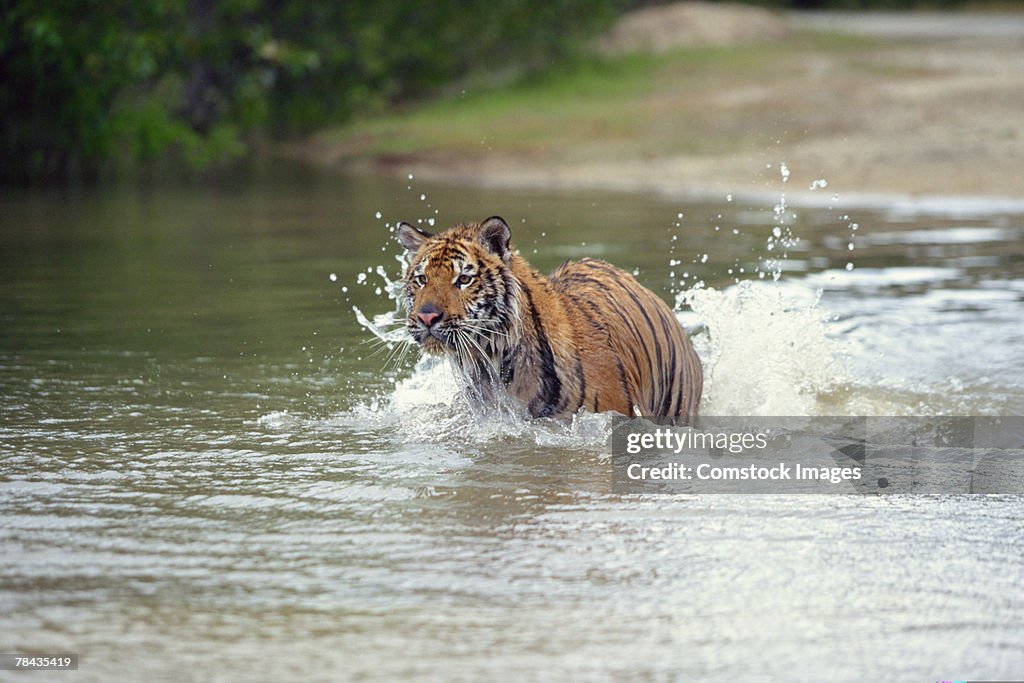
column 905, row 25
column 934, row 107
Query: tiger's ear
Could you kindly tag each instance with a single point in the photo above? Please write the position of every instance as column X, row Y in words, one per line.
column 410, row 236
column 495, row 234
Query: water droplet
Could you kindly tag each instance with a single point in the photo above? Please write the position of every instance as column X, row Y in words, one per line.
column 850, row 246
column 728, row 197
column 334, row 277
column 849, row 266
column 361, row 278
column 378, row 215
column 777, row 231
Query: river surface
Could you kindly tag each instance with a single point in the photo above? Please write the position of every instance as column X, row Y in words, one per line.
column 211, row 470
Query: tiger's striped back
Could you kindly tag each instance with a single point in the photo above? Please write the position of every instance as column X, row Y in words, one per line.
column 659, row 372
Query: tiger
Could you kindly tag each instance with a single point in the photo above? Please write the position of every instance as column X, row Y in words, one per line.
column 586, row 337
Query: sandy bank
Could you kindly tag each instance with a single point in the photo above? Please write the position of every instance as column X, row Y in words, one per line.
column 937, row 112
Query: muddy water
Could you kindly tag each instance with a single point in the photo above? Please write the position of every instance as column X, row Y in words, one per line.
column 209, row 470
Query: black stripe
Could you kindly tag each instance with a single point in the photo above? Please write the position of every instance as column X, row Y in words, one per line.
column 696, row 383
column 625, row 387
column 660, row 368
column 684, row 405
column 669, row 389
column 508, row 368
column 579, row 359
column 602, row 331
column 616, row 274
column 602, row 286
column 578, row 278
column 593, row 322
column 446, row 252
column 603, row 266
column 684, row 372
column 629, row 324
column 603, row 289
column 546, row 402
column 583, row 380
column 484, row 371
column 508, row 279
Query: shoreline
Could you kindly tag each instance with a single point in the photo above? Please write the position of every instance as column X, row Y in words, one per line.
column 925, row 116
column 830, row 196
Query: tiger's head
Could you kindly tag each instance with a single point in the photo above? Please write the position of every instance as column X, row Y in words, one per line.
column 460, row 293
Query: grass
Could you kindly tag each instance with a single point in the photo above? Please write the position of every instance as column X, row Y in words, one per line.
column 607, row 107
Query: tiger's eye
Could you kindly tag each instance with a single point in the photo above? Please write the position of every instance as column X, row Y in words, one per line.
column 464, row 280
column 420, row 280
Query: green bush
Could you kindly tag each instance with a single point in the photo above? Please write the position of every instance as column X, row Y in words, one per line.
column 86, row 83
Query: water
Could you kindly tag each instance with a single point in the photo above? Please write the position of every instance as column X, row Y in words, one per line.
column 206, row 473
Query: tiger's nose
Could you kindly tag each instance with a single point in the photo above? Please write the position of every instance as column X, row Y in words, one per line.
column 429, row 314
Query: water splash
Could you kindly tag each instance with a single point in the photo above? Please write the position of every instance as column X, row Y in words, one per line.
column 428, row 406
column 781, row 236
column 765, row 347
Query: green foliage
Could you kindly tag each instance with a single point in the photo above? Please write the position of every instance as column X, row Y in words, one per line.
column 63, row 65
column 87, row 82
